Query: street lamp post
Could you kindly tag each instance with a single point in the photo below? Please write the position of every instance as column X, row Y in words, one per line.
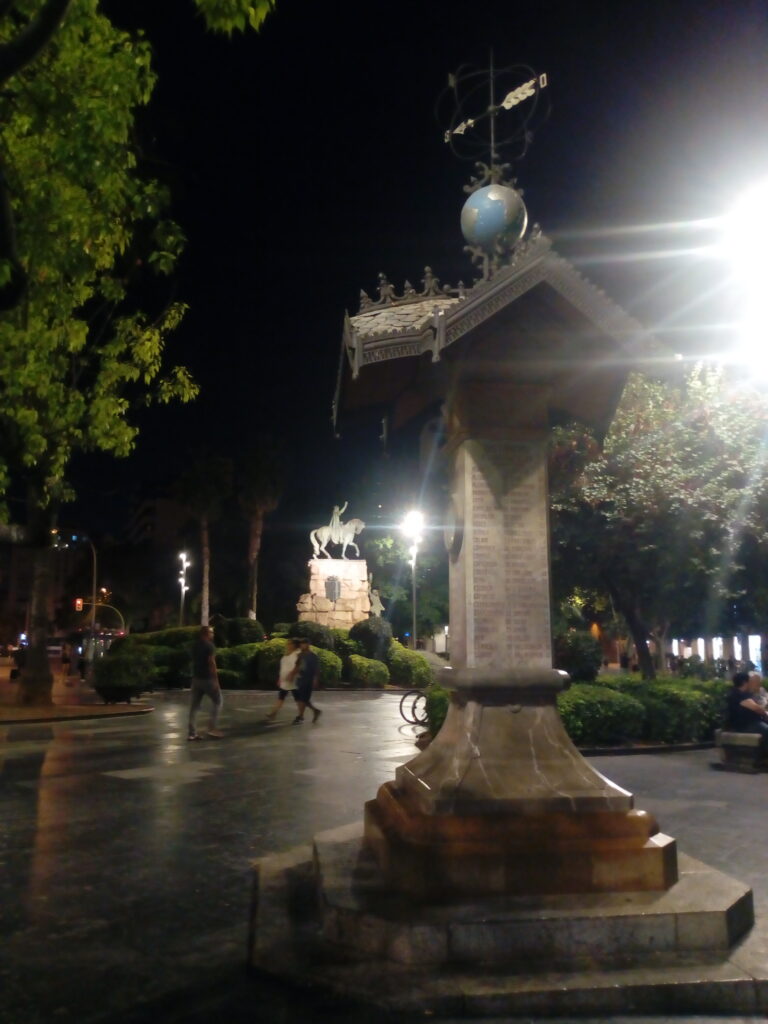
column 412, row 526
column 185, row 563
column 91, row 656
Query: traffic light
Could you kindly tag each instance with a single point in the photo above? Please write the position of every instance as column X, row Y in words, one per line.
column 78, row 604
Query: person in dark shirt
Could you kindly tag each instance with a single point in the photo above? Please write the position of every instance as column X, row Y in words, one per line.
column 307, row 678
column 205, row 682
column 744, row 714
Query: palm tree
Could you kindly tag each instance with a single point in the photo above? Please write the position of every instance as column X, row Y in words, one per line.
column 201, row 490
column 262, row 478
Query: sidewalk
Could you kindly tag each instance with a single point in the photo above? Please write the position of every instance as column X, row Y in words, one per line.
column 72, row 700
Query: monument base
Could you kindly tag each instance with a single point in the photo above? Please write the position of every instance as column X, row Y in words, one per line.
column 353, row 601
column 322, row 916
column 436, row 857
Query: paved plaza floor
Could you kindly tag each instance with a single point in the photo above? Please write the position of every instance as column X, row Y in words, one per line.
column 125, row 850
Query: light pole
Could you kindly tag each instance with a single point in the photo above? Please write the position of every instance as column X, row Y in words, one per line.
column 412, row 526
column 91, row 656
column 185, row 564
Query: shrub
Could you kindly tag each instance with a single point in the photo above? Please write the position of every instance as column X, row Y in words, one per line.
column 438, row 702
column 237, row 631
column 173, row 665
column 407, row 668
column 677, row 710
column 318, row 636
column 345, row 648
column 367, row 672
column 684, row 711
column 330, row 667
column 282, row 629
column 579, row 654
column 374, row 635
column 132, row 669
column 244, row 631
column 236, row 659
column 179, row 636
column 267, row 663
column 229, row 679
column 599, row 715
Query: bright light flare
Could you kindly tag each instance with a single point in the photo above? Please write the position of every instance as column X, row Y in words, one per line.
column 413, row 524
column 745, row 230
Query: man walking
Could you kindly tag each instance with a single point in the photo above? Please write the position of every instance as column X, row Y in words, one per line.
column 307, row 678
column 205, row 682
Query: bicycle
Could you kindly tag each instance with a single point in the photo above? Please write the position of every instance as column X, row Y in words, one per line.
column 413, row 707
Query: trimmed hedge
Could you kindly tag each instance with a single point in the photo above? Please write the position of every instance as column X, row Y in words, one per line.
column 677, row 710
column 407, row 668
column 237, row 631
column 267, row 662
column 318, row 635
column 236, row 659
column 229, row 679
column 173, row 665
column 367, row 671
column 179, row 636
column 438, row 701
column 578, row 653
column 599, row 716
column 130, row 668
column 330, row 667
column 374, row 635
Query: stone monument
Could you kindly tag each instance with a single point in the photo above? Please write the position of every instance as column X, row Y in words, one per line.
column 338, row 587
column 499, row 843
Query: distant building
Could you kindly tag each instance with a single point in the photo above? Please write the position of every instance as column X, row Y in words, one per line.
column 160, row 521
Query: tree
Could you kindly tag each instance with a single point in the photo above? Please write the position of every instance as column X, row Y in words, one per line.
column 261, row 480
column 388, row 561
column 81, row 222
column 658, row 516
column 201, row 490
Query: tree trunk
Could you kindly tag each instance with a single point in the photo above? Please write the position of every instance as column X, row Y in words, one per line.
column 639, row 632
column 36, row 679
column 256, row 525
column 205, row 544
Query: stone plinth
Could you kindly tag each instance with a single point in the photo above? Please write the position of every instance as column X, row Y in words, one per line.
column 501, row 802
column 321, row 916
column 353, row 603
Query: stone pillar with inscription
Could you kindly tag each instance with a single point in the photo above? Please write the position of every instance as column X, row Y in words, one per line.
column 499, row 534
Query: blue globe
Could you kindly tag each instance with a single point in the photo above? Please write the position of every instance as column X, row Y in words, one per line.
column 491, row 213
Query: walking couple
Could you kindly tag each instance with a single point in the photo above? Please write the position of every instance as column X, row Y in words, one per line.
column 299, row 675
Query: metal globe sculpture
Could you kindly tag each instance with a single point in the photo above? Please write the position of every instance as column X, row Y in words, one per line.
column 494, row 213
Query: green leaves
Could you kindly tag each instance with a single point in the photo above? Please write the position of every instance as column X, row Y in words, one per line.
column 658, row 517
column 234, row 15
column 74, row 362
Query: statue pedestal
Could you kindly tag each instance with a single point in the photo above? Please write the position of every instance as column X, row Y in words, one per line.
column 502, row 803
column 353, row 602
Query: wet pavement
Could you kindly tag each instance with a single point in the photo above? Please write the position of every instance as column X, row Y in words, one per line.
column 125, row 850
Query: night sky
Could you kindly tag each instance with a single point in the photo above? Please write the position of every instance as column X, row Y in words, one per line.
column 307, row 158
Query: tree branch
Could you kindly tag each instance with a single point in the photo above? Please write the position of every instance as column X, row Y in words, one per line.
column 24, row 47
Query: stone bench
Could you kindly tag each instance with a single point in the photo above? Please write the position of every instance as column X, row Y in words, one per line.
column 739, row 751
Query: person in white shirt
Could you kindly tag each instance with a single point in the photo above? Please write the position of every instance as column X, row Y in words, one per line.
column 286, row 681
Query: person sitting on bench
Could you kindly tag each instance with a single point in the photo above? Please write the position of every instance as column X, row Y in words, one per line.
column 744, row 714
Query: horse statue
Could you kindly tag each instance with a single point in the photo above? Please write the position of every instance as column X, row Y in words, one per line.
column 346, row 533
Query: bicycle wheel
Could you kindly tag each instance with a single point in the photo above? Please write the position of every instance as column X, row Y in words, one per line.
column 419, row 709
column 407, row 702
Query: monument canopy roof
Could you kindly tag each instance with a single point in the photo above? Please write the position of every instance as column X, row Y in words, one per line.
column 536, row 320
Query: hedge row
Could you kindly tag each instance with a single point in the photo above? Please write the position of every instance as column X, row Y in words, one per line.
column 623, row 710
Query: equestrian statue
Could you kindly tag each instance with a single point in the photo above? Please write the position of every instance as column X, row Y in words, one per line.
column 337, row 532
